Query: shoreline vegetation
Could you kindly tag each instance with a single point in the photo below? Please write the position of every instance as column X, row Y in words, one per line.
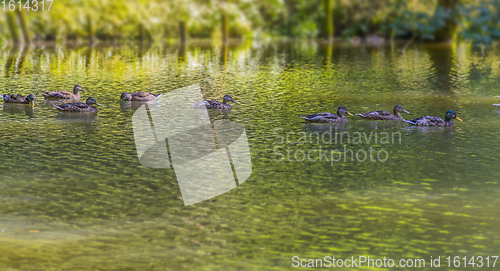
column 356, row 21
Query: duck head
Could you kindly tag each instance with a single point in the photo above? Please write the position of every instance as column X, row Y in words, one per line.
column 398, row 109
column 228, row 98
column 78, row 88
column 31, row 99
column 342, row 111
column 451, row 115
column 91, row 101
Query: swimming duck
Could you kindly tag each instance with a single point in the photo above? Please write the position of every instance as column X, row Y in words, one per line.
column 213, row 104
column 61, row 94
column 435, row 121
column 19, row 99
column 384, row 115
column 139, row 96
column 79, row 107
column 329, row 117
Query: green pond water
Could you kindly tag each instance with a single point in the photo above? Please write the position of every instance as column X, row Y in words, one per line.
column 74, row 196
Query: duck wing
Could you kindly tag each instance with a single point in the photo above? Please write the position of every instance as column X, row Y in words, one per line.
column 59, row 94
column 378, row 115
column 73, row 107
column 426, row 121
column 14, row 98
column 141, row 94
column 213, row 104
column 321, row 118
column 144, row 96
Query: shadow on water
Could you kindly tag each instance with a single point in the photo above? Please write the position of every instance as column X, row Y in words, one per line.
column 78, row 121
column 324, row 128
column 11, row 108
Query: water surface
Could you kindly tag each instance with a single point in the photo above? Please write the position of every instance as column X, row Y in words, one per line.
column 73, row 194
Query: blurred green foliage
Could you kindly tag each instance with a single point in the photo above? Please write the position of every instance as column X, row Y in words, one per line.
column 117, row 20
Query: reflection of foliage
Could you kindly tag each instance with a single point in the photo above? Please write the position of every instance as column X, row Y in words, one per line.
column 478, row 21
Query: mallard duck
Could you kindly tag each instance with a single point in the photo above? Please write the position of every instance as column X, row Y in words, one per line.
column 79, row 107
column 435, row 121
column 61, row 94
column 329, row 117
column 384, row 115
column 19, row 99
column 139, row 96
column 213, row 104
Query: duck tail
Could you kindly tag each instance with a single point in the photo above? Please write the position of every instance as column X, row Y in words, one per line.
column 410, row 122
column 3, row 96
column 45, row 94
column 159, row 95
column 361, row 115
column 58, row 107
column 306, row 119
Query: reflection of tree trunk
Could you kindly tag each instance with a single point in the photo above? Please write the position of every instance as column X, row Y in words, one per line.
column 143, row 49
column 182, row 52
column 446, row 32
column 11, row 60
column 442, row 55
column 328, row 6
column 327, row 52
column 183, row 31
column 88, row 58
column 223, row 55
column 21, row 68
column 24, row 26
column 225, row 26
column 14, row 33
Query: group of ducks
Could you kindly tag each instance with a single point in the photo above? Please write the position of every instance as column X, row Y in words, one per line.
column 340, row 117
column 88, row 106
column 342, row 111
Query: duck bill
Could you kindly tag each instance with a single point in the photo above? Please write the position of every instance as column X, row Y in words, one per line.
column 349, row 113
column 99, row 104
column 459, row 119
column 32, row 103
column 404, row 111
column 232, row 100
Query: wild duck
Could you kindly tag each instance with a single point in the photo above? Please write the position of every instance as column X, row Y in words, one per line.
column 79, row 107
column 384, row 115
column 139, row 96
column 435, row 121
column 329, row 117
column 19, row 99
column 213, row 104
column 66, row 95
